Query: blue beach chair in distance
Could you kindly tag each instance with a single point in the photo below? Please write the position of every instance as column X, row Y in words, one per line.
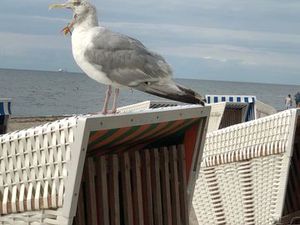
column 5, row 112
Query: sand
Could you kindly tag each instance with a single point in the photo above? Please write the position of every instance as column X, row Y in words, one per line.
column 20, row 123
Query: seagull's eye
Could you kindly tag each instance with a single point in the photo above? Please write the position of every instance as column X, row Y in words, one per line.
column 76, row 3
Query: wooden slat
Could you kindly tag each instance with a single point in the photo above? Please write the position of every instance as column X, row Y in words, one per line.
column 102, row 195
column 231, row 117
column 156, row 188
column 174, row 186
column 80, row 214
column 137, row 188
column 113, row 182
column 166, row 195
column 127, row 190
column 152, row 192
column 92, row 192
column 182, row 184
column 147, row 188
column 87, row 199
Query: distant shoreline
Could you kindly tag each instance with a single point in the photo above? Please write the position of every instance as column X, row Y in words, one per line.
column 175, row 77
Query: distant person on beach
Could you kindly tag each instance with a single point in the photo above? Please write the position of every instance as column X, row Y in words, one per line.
column 297, row 99
column 288, row 102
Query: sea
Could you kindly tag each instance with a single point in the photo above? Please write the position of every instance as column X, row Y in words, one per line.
column 41, row 93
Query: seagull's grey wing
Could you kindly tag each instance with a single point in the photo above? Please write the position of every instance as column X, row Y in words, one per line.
column 125, row 60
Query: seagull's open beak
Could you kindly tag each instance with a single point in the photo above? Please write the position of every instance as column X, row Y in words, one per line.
column 67, row 5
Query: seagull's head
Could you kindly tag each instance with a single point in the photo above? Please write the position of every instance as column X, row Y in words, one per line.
column 82, row 9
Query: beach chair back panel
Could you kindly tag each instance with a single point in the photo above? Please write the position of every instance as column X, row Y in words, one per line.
column 251, row 100
column 215, row 117
column 244, row 172
column 138, row 187
column 33, row 169
column 231, row 117
column 292, row 203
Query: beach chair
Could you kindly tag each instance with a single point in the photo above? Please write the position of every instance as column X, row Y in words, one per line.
column 150, row 104
column 225, row 110
column 225, row 114
column 250, row 173
column 228, row 110
column 250, row 112
column 5, row 112
column 133, row 168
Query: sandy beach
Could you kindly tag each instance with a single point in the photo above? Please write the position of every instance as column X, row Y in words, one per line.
column 20, row 123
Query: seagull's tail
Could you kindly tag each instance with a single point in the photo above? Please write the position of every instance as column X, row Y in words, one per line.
column 173, row 91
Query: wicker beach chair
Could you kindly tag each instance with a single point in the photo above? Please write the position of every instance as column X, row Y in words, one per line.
column 5, row 112
column 225, row 110
column 251, row 111
column 133, row 168
column 250, row 173
column 228, row 110
column 225, row 114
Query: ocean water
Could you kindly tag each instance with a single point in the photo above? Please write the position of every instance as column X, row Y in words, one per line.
column 37, row 93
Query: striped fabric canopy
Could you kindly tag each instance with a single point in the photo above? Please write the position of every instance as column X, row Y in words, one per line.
column 134, row 136
column 229, row 98
column 251, row 115
column 5, row 107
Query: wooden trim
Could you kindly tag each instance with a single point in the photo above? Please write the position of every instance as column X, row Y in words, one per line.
column 166, row 193
column 127, row 190
column 123, row 190
column 182, row 184
column 137, row 188
column 92, row 192
column 156, row 187
column 174, row 186
column 113, row 182
column 147, row 187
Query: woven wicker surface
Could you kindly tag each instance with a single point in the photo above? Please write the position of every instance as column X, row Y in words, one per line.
column 244, row 172
column 33, row 165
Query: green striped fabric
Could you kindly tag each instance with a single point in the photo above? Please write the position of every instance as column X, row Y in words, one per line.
column 120, row 138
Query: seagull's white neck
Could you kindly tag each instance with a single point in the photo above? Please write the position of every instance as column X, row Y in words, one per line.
column 88, row 21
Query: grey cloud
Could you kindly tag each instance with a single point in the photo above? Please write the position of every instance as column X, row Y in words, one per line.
column 196, row 36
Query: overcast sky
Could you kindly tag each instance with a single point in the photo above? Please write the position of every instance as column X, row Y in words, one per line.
column 236, row 40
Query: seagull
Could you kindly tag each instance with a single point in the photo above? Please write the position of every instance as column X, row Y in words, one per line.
column 119, row 61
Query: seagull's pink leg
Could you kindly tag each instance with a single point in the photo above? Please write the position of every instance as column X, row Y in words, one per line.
column 114, row 106
column 106, row 100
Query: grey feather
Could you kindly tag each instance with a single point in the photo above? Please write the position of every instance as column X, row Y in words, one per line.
column 173, row 91
column 126, row 60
